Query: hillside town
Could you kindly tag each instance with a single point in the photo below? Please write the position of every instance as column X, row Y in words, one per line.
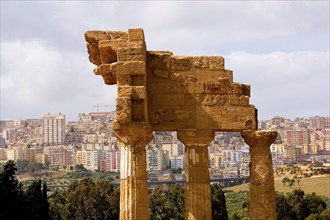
column 91, row 142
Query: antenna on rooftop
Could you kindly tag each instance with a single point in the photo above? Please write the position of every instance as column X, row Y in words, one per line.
column 100, row 106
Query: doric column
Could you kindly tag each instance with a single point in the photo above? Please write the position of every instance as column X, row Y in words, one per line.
column 262, row 191
column 197, row 188
column 133, row 175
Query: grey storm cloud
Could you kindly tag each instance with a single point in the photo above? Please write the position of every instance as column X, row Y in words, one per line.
column 280, row 48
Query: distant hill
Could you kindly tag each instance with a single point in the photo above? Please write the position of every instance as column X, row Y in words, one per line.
column 318, row 184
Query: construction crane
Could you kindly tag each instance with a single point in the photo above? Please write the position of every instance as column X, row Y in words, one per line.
column 98, row 106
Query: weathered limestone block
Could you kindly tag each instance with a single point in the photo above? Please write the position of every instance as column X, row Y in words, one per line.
column 202, row 120
column 105, row 71
column 138, row 92
column 218, row 88
column 94, row 54
column 205, row 75
column 226, row 74
column 135, row 34
column 124, row 80
column 197, row 188
column 123, row 110
column 214, row 100
column 138, row 110
column 237, row 89
column 238, row 100
column 169, row 119
column 230, row 118
column 194, row 87
column 224, row 81
column 201, row 62
column 160, row 73
column 246, row 89
column 93, row 38
column 125, row 91
column 131, row 54
column 165, row 88
column 220, row 100
column 193, row 99
column 217, row 63
column 102, row 69
column 168, row 99
column 181, row 63
column 138, row 80
column 129, row 68
column 210, row 62
column 161, row 60
column 262, row 191
column 108, row 49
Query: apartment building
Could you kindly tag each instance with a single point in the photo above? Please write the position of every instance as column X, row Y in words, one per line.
column 53, row 129
column 298, row 137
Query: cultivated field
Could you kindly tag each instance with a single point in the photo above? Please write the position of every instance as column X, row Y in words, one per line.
column 318, row 184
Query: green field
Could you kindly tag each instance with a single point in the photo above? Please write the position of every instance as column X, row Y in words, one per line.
column 318, row 184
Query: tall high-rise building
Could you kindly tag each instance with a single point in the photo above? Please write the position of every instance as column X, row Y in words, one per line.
column 155, row 159
column 53, row 129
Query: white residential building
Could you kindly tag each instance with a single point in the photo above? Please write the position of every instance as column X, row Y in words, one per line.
column 53, row 129
column 177, row 162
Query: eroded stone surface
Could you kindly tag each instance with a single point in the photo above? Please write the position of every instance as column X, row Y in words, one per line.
column 193, row 95
column 262, row 191
column 197, row 187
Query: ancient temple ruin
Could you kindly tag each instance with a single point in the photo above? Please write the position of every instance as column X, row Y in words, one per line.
column 193, row 95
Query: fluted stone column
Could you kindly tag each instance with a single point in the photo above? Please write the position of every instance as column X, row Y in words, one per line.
column 262, row 191
column 197, row 188
column 133, row 175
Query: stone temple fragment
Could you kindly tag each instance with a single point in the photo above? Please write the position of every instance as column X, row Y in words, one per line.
column 193, row 95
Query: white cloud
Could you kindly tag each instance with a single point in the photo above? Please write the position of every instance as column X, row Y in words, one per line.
column 288, row 84
column 37, row 79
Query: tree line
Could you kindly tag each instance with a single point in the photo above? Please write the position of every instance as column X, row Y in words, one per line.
column 86, row 199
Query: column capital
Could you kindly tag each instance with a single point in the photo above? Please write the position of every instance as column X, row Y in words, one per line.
column 195, row 137
column 259, row 138
column 140, row 132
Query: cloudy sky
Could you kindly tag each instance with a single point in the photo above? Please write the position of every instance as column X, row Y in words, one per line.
column 280, row 48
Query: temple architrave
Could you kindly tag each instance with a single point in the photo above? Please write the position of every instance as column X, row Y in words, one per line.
column 193, row 95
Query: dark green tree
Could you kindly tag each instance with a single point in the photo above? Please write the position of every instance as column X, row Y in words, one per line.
column 86, row 200
column 219, row 209
column 167, row 203
column 285, row 180
column 22, row 166
column 157, row 199
column 298, row 203
column 291, row 182
column 283, row 208
column 57, row 202
column 12, row 198
column 315, row 204
column 36, row 200
column 80, row 168
column 175, row 202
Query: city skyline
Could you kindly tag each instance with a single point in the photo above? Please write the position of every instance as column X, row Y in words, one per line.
column 280, row 48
